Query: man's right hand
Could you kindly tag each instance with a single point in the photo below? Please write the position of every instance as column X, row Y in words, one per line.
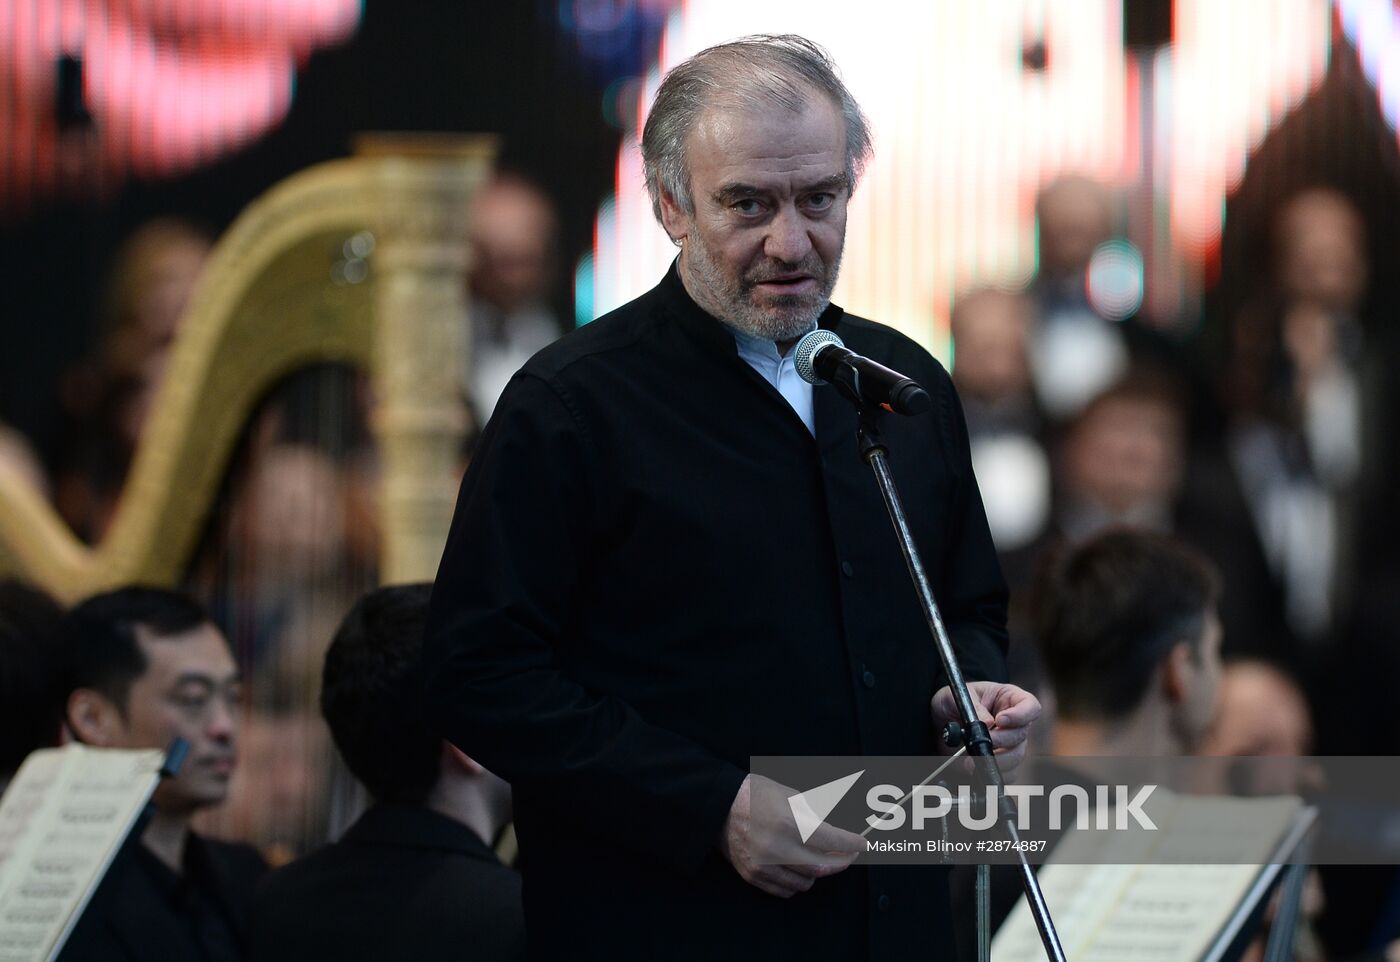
column 761, row 841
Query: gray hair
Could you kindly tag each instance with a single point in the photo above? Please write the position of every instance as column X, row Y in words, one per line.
column 751, row 71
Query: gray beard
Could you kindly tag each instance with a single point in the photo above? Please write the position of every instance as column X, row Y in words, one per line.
column 790, row 317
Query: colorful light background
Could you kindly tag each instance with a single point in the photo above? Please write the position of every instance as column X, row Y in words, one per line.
column 976, row 106
column 169, row 85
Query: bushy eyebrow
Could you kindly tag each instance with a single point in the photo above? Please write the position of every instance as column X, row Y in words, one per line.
column 735, row 190
column 205, row 681
column 826, row 185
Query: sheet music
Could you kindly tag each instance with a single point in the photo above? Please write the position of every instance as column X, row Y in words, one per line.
column 1135, row 912
column 24, row 800
column 62, row 821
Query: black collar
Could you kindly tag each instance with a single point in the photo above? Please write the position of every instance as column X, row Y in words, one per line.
column 416, row 826
column 195, row 870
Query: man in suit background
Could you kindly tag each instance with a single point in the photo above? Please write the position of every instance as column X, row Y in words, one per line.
column 1130, row 632
column 142, row 667
column 1129, row 629
column 415, row 877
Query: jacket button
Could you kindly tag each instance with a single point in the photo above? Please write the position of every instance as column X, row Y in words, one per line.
column 868, row 679
column 848, row 569
column 883, row 902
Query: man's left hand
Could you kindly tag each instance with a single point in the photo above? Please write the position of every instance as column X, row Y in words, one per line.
column 1006, row 710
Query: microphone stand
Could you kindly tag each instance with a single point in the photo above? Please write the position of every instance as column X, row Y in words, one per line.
column 973, row 731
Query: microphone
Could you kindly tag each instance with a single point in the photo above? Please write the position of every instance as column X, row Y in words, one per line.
column 821, row 356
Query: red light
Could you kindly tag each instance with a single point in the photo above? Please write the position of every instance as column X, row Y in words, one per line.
column 170, row 85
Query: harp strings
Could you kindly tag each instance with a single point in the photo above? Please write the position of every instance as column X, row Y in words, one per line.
column 291, row 545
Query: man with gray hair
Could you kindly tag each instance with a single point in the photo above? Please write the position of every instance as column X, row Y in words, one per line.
column 668, row 558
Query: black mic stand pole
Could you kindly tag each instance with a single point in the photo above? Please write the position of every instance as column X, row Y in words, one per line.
column 974, row 731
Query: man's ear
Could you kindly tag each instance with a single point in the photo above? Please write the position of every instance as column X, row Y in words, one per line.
column 1178, row 672
column 674, row 218
column 94, row 719
column 460, row 760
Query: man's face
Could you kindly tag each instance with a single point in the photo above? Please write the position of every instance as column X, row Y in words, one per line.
column 1125, row 455
column 190, row 690
column 1324, row 258
column 512, row 235
column 763, row 247
column 1074, row 220
column 1261, row 713
column 989, row 338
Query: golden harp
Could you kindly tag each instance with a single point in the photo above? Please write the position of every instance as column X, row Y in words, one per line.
column 267, row 305
column 273, row 299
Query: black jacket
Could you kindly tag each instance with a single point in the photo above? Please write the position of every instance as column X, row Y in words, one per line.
column 654, row 573
column 404, row 883
column 144, row 912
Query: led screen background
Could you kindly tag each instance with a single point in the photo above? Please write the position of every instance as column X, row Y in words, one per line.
column 514, row 69
column 1199, row 114
column 163, row 87
column 975, row 107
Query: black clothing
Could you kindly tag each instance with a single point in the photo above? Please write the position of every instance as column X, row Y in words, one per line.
column 404, row 883
column 144, row 911
column 656, row 572
column 1212, row 515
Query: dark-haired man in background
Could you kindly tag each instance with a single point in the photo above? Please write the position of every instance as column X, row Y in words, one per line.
column 31, row 714
column 143, row 666
column 1131, row 640
column 415, row 877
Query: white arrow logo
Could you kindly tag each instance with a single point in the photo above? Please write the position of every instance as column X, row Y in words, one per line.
column 810, row 808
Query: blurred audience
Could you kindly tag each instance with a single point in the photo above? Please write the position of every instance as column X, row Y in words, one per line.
column 294, row 541
column 1074, row 214
column 297, row 536
column 991, row 370
column 1321, row 251
column 1123, row 458
column 1075, row 353
column 280, row 801
column 291, row 516
column 1126, row 460
column 990, row 328
column 1293, row 391
column 31, row 714
column 108, row 397
column 1262, row 712
column 17, row 458
column 514, row 238
column 415, row 877
column 142, row 667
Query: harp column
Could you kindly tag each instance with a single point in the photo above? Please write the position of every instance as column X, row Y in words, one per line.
column 423, row 186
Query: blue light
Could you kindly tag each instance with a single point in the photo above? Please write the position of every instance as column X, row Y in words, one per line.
column 583, row 290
